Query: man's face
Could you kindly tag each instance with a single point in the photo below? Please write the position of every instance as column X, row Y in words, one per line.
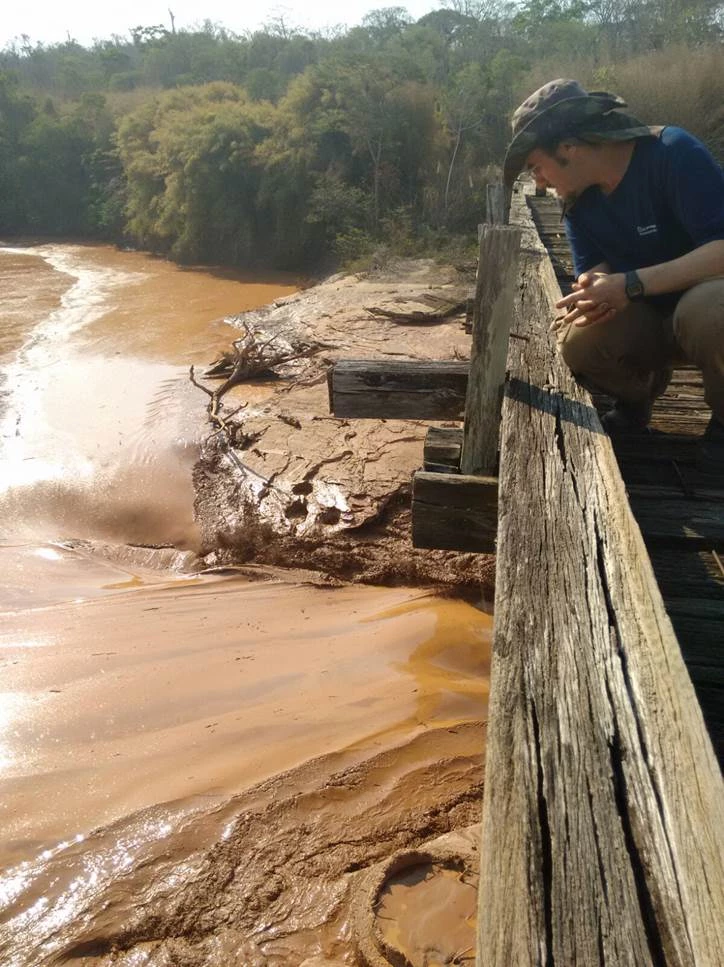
column 561, row 170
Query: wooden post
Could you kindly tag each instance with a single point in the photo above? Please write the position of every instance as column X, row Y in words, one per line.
column 443, row 446
column 495, row 292
column 495, row 203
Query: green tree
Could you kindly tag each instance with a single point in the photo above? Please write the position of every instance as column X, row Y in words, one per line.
column 463, row 106
column 189, row 160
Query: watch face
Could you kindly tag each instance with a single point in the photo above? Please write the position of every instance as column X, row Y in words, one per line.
column 634, row 286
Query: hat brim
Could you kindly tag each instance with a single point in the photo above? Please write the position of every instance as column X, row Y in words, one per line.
column 545, row 122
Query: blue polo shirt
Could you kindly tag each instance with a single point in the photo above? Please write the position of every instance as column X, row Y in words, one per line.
column 670, row 201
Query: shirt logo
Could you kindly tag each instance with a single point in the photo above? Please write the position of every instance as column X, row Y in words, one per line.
column 647, row 229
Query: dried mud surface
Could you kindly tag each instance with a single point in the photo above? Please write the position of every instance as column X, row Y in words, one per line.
column 300, row 488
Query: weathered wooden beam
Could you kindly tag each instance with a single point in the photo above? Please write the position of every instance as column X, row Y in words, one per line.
column 453, row 512
column 403, row 390
column 469, row 308
column 443, row 445
column 493, row 311
column 603, row 817
column 495, row 203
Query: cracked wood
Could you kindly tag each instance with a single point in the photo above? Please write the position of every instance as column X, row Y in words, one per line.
column 603, row 812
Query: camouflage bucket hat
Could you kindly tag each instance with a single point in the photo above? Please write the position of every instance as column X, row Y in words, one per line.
column 563, row 107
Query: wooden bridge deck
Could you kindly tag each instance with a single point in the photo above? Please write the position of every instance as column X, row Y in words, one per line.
column 679, row 510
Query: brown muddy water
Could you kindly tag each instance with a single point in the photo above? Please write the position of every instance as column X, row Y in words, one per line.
column 150, row 716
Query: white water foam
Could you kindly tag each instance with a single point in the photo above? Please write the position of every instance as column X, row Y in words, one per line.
column 86, row 300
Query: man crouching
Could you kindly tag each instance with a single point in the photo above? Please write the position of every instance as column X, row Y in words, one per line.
column 644, row 215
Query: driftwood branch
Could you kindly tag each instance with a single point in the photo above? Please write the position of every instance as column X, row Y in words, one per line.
column 214, row 403
column 252, row 357
column 418, row 316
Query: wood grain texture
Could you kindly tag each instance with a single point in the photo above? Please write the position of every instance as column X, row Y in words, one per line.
column 680, row 519
column 492, row 315
column 443, row 445
column 404, row 390
column 454, row 512
column 604, row 808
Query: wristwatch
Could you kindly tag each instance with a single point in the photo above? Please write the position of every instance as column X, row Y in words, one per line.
column 634, row 286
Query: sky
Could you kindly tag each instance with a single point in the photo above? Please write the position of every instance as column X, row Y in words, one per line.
column 50, row 21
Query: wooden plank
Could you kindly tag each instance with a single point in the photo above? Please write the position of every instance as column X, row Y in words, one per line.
column 689, row 479
column 698, row 521
column 713, row 609
column 604, row 808
column 691, row 572
column 669, row 446
column 701, row 640
column 454, row 512
column 495, row 292
column 401, row 390
column 699, row 625
column 674, row 480
column 442, row 449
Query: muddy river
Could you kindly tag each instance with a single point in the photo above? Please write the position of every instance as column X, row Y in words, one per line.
column 201, row 768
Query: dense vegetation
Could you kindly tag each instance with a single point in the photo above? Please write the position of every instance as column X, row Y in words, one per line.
column 281, row 147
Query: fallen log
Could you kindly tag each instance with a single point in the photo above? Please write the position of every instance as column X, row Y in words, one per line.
column 255, row 354
column 438, row 313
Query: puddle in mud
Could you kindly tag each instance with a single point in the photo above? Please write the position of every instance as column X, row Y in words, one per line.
column 427, row 915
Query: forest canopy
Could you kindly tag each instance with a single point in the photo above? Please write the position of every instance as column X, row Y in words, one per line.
column 283, row 148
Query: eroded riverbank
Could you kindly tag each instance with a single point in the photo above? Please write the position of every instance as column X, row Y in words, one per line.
column 297, row 486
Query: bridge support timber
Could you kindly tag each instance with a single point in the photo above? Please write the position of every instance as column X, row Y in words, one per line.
column 603, row 814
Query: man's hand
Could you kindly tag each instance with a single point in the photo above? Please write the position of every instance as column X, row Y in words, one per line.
column 596, row 297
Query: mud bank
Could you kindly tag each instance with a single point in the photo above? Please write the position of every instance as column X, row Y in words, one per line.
column 291, row 485
column 301, row 870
